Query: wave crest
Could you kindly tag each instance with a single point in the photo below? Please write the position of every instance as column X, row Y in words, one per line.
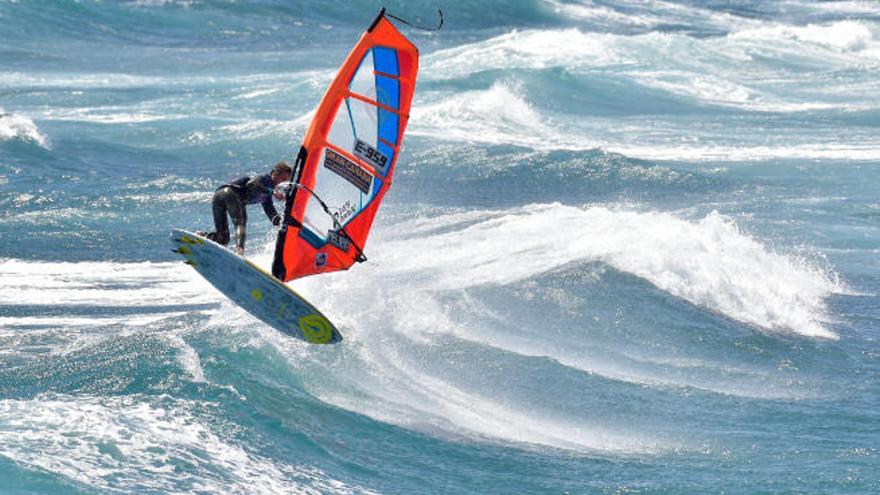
column 19, row 127
column 710, row 263
column 843, row 36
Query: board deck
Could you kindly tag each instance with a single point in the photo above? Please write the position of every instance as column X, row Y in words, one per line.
column 250, row 287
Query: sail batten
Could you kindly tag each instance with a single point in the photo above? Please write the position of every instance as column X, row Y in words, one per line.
column 373, row 102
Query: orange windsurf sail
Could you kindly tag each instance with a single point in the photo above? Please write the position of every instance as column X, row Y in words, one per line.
column 346, row 162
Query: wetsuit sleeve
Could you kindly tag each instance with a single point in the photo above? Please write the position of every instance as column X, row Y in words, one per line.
column 240, row 235
column 271, row 212
column 257, row 189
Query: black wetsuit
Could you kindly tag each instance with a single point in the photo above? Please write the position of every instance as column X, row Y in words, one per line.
column 233, row 198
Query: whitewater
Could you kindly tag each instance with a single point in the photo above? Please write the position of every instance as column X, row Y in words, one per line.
column 631, row 247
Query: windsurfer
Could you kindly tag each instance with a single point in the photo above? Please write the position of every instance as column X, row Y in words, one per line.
column 232, row 199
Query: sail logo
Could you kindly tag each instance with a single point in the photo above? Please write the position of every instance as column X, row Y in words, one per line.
column 348, row 170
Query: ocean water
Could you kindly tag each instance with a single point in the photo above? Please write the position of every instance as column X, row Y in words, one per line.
column 632, row 247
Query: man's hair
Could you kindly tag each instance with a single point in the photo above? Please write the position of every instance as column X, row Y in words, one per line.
column 282, row 167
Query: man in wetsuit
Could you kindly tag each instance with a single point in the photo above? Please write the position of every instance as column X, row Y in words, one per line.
column 233, row 198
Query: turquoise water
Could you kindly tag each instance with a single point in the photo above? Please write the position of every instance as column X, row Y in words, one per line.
column 632, row 247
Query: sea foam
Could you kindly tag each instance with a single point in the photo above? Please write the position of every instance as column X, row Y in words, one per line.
column 14, row 126
column 710, row 263
column 151, row 443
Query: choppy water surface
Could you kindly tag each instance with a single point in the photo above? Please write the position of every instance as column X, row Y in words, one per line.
column 632, row 247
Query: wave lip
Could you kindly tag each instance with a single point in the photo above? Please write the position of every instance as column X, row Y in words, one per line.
column 531, row 49
column 496, row 116
column 19, row 127
column 709, row 263
column 714, row 265
column 842, row 36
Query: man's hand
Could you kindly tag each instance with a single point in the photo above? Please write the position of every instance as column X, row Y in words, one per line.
column 239, row 250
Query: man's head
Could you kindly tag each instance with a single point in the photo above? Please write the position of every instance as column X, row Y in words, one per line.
column 281, row 173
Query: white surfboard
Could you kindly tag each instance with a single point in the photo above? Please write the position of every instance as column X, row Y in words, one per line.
column 259, row 293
